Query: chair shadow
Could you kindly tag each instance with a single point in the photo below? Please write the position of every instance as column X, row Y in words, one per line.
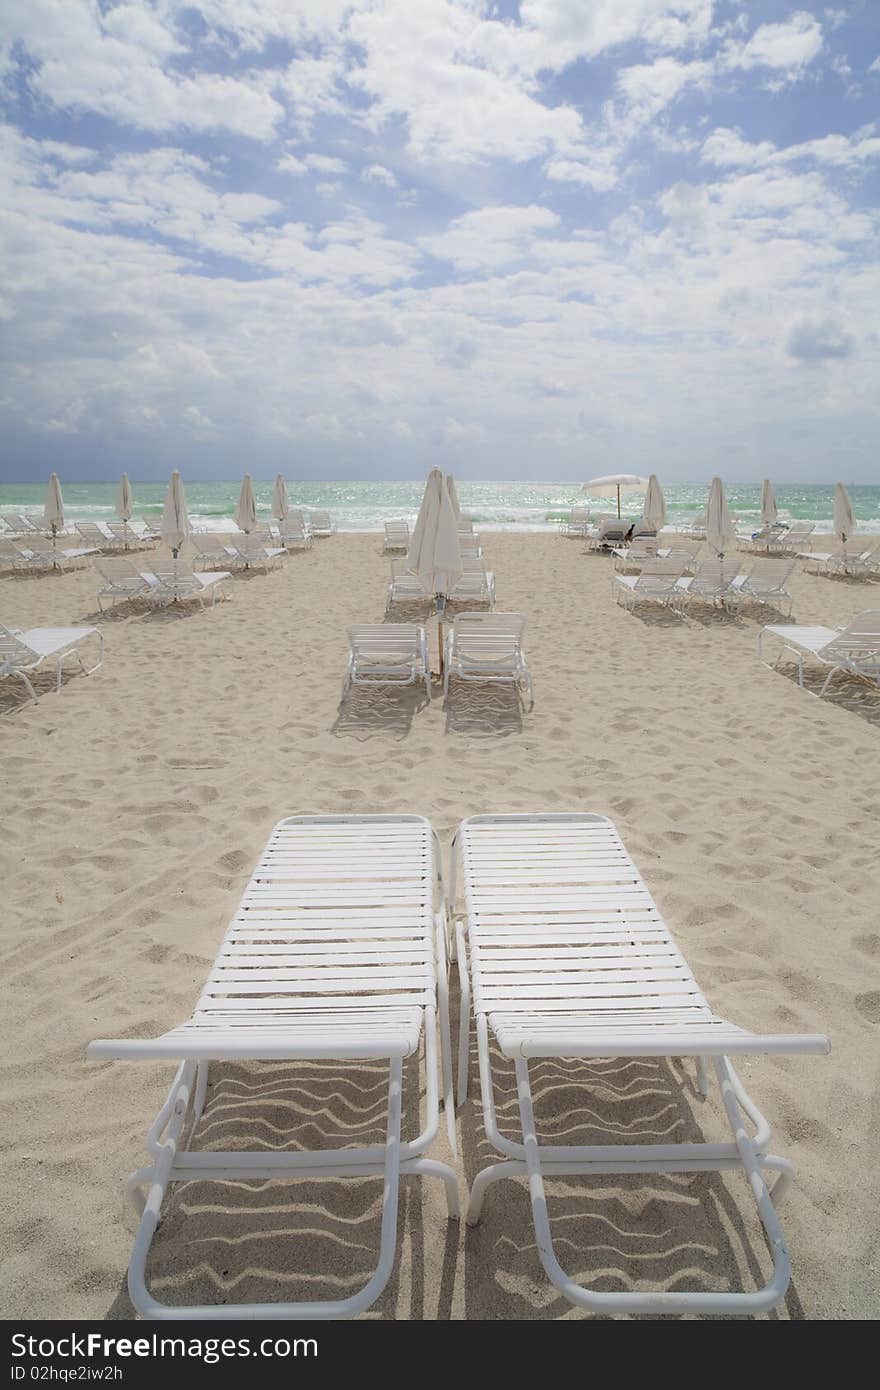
column 292, row 1240
column 483, row 709
column 713, row 615
column 671, row 1232
column 655, row 614
column 14, row 698
column 366, row 711
column 859, row 697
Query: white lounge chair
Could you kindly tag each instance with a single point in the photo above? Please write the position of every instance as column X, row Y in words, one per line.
column 337, row 951
column 576, row 523
column 321, row 524
column 764, row 583
column 633, row 557
column 256, row 551
column 711, row 582
column 171, row 584
column 213, row 551
column 127, row 537
column 469, row 548
column 90, row 532
column 485, row 647
column 295, row 534
column 122, row 581
column 852, row 558
column 610, row 532
column 22, row 652
column 405, row 589
column 790, row 540
column 396, row 536
column 853, row 650
column 656, row 582
column 152, row 526
column 38, row 553
column 12, row 555
column 387, row 654
column 570, row 958
column 476, row 584
column 20, row 525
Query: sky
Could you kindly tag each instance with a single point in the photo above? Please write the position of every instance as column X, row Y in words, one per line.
column 530, row 239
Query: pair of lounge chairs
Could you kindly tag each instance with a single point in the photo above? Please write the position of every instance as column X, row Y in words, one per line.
column 480, row 647
column 240, row 550
column 780, row 539
column 36, row 552
column 340, row 950
column 21, row 653
column 161, row 584
column 715, row 581
column 476, row 584
column 853, row 650
column 853, row 558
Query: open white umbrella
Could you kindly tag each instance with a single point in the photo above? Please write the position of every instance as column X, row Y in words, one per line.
column 124, row 504
column 280, row 504
column 453, row 494
column 246, row 510
column 53, row 512
column 615, row 484
column 654, row 510
column 720, row 535
column 175, row 523
column 844, row 519
column 434, row 553
column 769, row 512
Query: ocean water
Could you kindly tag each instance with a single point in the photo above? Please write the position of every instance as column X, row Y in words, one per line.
column 493, row 506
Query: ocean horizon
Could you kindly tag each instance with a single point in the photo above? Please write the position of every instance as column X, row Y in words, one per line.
column 493, row 506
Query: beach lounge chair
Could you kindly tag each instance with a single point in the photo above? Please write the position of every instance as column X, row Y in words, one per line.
column 570, row 958
column 294, row 534
column 576, row 524
column 483, row 647
column 656, row 582
column 170, row 584
column 387, row 654
column 122, row 580
column 91, row 533
column 337, row 952
column 256, row 551
column 321, row 524
column 38, row 553
column 22, row 652
column 12, row 556
column 633, row 557
column 764, row 539
column 853, row 650
column 396, row 536
column 764, row 583
column 20, row 525
column 152, row 525
column 789, row 541
column 469, row 548
column 711, row 582
column 213, row 551
column 610, row 532
column 851, row 559
column 476, row 584
column 405, row 588
column 127, row 537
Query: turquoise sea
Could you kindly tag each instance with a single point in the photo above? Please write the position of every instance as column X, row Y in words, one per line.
column 494, row 506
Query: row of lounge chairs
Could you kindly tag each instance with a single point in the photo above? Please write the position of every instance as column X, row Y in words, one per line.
column 715, row 580
column 164, row 582
column 36, row 552
column 341, row 951
column 475, row 585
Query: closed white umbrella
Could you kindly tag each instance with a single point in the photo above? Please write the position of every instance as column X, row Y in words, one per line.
column 175, row 523
column 280, row 504
column 720, row 535
column 844, row 519
column 53, row 512
column 246, row 511
column 434, row 553
column 654, row 511
column 124, row 504
column 769, row 512
column 453, row 494
column 614, row 484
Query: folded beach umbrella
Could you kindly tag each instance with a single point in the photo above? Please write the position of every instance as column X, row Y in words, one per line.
column 844, row 520
column 246, row 511
column 53, row 510
column 769, row 513
column 654, row 511
column 453, row 494
column 614, row 484
column 720, row 535
column 124, row 503
column 175, row 523
column 280, row 504
column 434, row 553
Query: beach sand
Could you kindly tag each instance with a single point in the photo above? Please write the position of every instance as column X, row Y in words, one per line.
column 135, row 804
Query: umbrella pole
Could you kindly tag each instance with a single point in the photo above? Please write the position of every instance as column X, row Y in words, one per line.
column 440, row 606
column 618, row 501
column 54, row 546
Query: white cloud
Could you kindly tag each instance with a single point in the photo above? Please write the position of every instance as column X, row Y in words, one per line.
column 491, row 237
column 377, row 173
column 788, row 46
column 314, row 163
column 727, row 148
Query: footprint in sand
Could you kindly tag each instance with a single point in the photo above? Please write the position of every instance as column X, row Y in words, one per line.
column 868, row 1005
column 869, row 943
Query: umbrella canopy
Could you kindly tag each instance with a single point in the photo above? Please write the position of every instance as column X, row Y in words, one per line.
column 615, row 484
column 53, row 507
column 246, row 511
column 434, row 553
column 175, row 523
column 720, row 535
column 769, row 513
column 280, row 503
column 654, row 511
column 844, row 520
column 453, row 494
column 124, row 499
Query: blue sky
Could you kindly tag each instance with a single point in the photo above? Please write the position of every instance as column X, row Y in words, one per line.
column 520, row 240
